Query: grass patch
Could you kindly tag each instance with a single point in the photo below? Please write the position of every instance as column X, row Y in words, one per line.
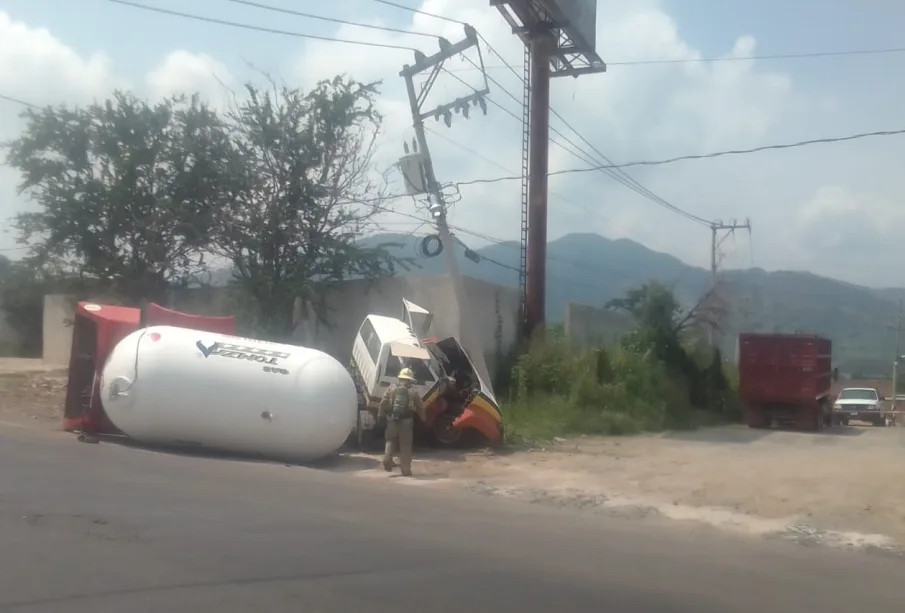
column 557, row 390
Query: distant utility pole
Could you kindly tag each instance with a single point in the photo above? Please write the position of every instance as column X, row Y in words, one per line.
column 895, row 362
column 727, row 229
column 424, row 180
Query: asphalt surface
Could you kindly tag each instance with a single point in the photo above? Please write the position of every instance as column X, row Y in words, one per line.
column 109, row 528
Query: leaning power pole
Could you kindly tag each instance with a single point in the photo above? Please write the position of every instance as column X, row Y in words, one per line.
column 424, row 179
column 560, row 38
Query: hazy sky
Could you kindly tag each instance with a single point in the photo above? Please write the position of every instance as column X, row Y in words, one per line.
column 833, row 209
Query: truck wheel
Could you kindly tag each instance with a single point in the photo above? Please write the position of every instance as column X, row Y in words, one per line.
column 366, row 438
column 360, row 433
column 443, row 433
column 817, row 422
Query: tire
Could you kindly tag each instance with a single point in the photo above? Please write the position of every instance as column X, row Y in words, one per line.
column 359, row 433
column 367, row 441
column 443, row 434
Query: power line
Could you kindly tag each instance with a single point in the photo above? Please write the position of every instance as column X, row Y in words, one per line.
column 277, row 9
column 17, row 101
column 702, row 156
column 514, row 245
column 774, row 56
column 584, row 156
column 718, row 60
column 420, row 12
column 619, row 175
column 243, row 26
column 504, row 169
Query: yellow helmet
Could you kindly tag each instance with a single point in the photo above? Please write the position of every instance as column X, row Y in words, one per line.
column 406, row 374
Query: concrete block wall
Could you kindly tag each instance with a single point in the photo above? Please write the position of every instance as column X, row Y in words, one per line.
column 59, row 311
column 492, row 309
column 9, row 336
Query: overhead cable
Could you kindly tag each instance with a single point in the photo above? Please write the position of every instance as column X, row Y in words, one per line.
column 243, row 26
column 277, row 9
column 703, row 156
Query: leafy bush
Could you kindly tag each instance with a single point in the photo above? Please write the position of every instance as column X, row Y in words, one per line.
column 559, row 390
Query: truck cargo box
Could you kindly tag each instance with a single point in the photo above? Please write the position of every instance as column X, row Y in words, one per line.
column 784, row 376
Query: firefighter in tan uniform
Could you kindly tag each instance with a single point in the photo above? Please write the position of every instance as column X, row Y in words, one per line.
column 399, row 405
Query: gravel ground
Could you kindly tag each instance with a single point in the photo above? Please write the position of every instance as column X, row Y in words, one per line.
column 844, row 487
column 31, row 392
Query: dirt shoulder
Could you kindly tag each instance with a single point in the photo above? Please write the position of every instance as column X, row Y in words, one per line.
column 30, row 392
column 845, row 487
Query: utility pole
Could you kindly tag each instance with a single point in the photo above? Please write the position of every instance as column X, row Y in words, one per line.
column 559, row 37
column 541, row 46
column 727, row 229
column 431, row 186
column 895, row 362
column 715, row 228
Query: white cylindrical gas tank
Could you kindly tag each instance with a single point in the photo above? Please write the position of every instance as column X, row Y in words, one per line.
column 171, row 385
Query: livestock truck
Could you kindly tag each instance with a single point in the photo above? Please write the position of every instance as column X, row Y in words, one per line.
column 786, row 379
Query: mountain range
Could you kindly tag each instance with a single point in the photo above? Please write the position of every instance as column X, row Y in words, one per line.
column 591, row 269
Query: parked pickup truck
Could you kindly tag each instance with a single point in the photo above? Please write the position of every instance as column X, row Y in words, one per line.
column 862, row 404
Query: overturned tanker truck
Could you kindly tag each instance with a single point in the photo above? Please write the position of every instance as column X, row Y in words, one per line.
column 168, row 378
column 180, row 387
column 459, row 403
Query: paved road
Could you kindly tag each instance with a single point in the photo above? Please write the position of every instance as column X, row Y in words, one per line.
column 106, row 528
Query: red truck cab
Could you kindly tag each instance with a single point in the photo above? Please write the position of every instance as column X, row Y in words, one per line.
column 785, row 379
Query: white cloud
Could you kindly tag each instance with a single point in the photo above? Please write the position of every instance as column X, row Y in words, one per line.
column 183, row 72
column 39, row 68
column 838, row 218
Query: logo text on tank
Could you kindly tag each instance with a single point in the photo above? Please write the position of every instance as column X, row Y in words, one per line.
column 241, row 352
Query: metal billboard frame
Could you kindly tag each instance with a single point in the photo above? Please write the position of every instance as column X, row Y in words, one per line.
column 572, row 56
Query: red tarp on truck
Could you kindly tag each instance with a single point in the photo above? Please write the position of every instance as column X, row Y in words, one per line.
column 784, row 375
column 96, row 331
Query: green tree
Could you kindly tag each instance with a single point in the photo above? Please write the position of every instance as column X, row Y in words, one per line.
column 303, row 194
column 663, row 327
column 123, row 190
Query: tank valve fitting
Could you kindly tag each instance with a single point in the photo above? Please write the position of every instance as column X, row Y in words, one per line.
column 120, row 387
